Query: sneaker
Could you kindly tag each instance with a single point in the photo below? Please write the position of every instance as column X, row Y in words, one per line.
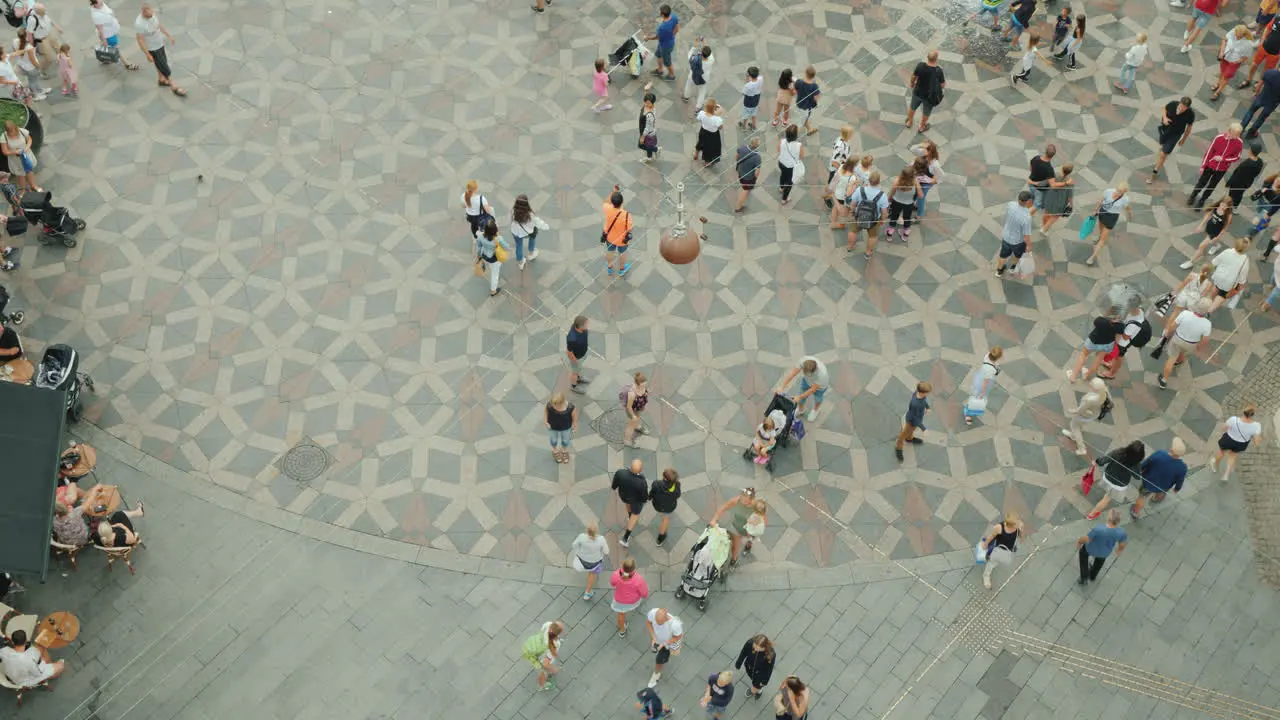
column 889, row 232
column 1186, row 34
column 1177, row 3
column 622, row 633
column 916, row 441
column 625, row 540
column 1094, row 514
column 999, row 270
column 1185, row 49
column 65, row 92
column 42, row 95
column 906, row 232
column 549, row 685
column 575, row 388
column 811, row 415
column 898, row 454
column 1082, row 581
column 521, row 264
column 9, row 251
column 1066, row 432
column 1213, row 249
column 1186, row 265
column 746, row 549
column 1133, row 514
column 641, row 429
column 653, row 679
column 1213, row 463
column 587, row 595
column 1164, row 384
column 583, row 379
column 609, row 270
column 606, row 107
column 533, row 254
column 662, row 537
column 624, row 270
column 9, row 266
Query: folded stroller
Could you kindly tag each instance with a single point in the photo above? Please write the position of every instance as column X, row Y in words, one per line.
column 9, row 318
column 631, row 54
column 706, row 559
column 783, row 413
column 56, row 223
column 60, row 370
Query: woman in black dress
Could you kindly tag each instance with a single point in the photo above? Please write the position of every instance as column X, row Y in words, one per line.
column 709, row 124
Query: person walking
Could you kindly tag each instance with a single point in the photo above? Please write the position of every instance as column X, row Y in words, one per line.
column 757, row 657
column 1266, row 13
column 1135, row 331
column 718, row 694
column 1191, row 330
column 1273, row 298
column 666, row 634
column 917, row 406
column 1175, row 127
column 839, row 155
column 1120, row 468
column 786, row 95
column 1213, row 225
column 668, row 26
column 740, row 508
column 617, row 233
column 927, row 84
column 152, row 38
column 1266, row 96
column 1237, row 434
column 1098, row 544
column 42, row 27
column 1040, row 172
column 1015, row 240
column 1241, row 179
column 931, row 172
column 747, row 165
column 807, row 92
column 752, row 89
column 1133, row 59
column 491, row 250
column 790, row 159
column 1267, row 56
column 814, row 381
column 477, row 209
column 902, row 202
column 709, row 143
column 664, row 493
column 1236, row 46
column 1230, row 272
column 1000, row 543
column 869, row 208
column 1029, row 57
column 1197, row 284
column 562, row 422
column 1108, row 211
column 1099, row 342
column 1223, row 152
column 589, row 551
column 524, row 229
column 1059, row 198
column 67, row 71
column 988, row 7
column 104, row 19
column 1201, row 13
column 629, row 592
column 633, row 491
column 575, row 347
column 1162, row 472
column 651, row 705
column 1077, row 39
column 600, row 87
column 984, row 379
column 792, row 701
column 843, row 186
column 1088, row 410
column 634, row 399
column 541, row 651
column 700, row 63
column 24, row 60
column 648, row 125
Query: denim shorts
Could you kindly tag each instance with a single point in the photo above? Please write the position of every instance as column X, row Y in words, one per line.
column 575, row 364
column 749, row 112
column 610, row 247
column 560, row 438
column 1015, row 25
column 1098, row 347
column 664, row 55
column 1201, row 17
column 817, row 395
column 1274, row 298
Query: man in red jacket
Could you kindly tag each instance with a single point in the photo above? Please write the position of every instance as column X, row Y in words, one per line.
column 1223, row 152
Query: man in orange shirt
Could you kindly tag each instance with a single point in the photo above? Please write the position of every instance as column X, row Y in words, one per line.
column 617, row 232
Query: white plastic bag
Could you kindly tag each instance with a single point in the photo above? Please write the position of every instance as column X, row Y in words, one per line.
column 1026, row 266
column 797, row 175
column 979, row 555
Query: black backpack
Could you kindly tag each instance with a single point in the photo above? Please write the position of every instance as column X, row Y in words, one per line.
column 1144, row 334
column 695, row 67
column 866, row 211
column 1105, row 410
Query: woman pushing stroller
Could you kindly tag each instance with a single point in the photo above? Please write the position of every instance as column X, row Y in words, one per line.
column 748, row 517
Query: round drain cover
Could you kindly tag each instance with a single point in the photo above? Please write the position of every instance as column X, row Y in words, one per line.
column 305, row 463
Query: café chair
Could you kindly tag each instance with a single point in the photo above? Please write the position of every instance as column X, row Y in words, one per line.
column 19, row 689
column 69, row 550
column 121, row 553
column 12, row 620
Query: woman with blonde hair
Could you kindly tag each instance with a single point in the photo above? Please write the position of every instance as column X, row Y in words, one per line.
column 1089, row 410
column 1237, row 433
column 1000, row 543
column 740, row 510
column 1235, row 47
column 1197, row 284
column 561, row 420
column 476, row 206
column 1108, row 211
column 117, row 530
column 589, row 551
column 634, row 400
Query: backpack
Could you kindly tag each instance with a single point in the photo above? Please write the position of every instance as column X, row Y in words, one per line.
column 1144, row 334
column 695, row 67
column 866, row 212
column 1106, row 409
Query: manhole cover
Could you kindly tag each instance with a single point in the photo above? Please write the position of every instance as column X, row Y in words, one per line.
column 610, row 425
column 305, row 462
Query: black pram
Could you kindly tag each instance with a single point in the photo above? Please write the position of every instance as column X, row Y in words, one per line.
column 56, row 223
column 60, row 370
column 783, row 413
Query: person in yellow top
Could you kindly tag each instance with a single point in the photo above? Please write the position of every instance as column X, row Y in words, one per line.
column 617, row 232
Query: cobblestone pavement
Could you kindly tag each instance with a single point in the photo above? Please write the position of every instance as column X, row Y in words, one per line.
column 231, row 617
column 316, row 284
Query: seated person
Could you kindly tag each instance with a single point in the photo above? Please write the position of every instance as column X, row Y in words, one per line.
column 8, row 585
column 766, row 438
column 77, row 461
column 69, row 527
column 117, row 530
column 23, row 665
column 10, row 348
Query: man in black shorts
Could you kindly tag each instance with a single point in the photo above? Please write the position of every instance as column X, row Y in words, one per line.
column 1016, row 240
column 633, row 491
column 1175, row 127
column 748, row 165
column 927, row 82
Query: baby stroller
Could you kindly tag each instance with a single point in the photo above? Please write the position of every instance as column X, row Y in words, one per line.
column 60, row 370
column 783, row 413
column 706, row 559
column 631, row 54
column 56, row 223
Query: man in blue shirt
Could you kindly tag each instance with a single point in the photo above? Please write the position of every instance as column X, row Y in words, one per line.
column 1266, row 98
column 1162, row 472
column 914, row 420
column 807, row 93
column 1096, row 547
column 668, row 26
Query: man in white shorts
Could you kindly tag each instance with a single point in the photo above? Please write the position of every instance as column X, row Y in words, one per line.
column 1191, row 328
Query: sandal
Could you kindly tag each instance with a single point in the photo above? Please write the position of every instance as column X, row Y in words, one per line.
column 131, row 66
column 179, row 91
column 925, row 127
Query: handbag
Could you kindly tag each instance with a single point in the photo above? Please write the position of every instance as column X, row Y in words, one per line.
column 479, row 267
column 649, row 143
column 975, row 406
column 500, row 253
column 28, row 161
column 1086, row 481
column 1087, row 227
column 1026, row 265
column 797, row 173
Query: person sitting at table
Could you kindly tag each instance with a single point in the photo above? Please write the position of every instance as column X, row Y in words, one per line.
column 23, row 665
column 76, row 462
column 69, row 527
column 117, row 530
column 10, row 347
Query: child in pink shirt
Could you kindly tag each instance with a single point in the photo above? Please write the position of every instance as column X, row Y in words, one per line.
column 600, row 84
column 67, row 70
column 629, row 591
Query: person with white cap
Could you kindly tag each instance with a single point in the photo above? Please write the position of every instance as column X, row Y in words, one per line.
column 1162, row 472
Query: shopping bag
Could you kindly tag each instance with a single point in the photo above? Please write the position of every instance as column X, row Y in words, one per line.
column 1026, row 266
column 797, row 429
column 500, row 253
column 1086, row 227
column 975, row 406
column 28, row 161
column 979, row 555
column 797, row 175
column 1086, row 481
column 1234, row 302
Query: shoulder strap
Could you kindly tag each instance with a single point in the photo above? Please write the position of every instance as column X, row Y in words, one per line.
column 611, row 222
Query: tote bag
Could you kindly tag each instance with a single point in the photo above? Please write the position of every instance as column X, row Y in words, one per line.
column 1087, row 227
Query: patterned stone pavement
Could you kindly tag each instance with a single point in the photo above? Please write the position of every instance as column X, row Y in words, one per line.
column 317, row 285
